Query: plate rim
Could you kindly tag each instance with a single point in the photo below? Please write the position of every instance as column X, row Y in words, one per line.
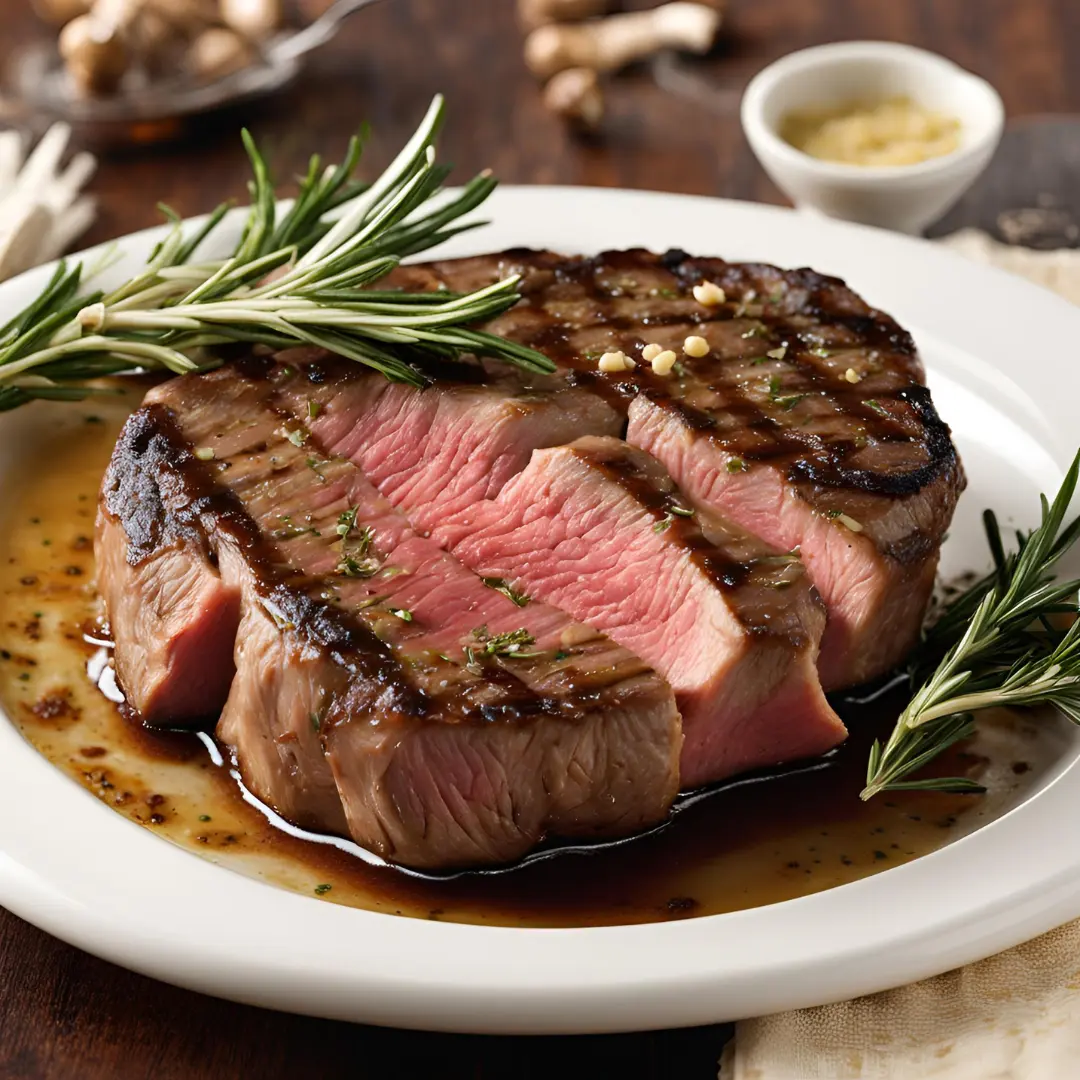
column 458, row 977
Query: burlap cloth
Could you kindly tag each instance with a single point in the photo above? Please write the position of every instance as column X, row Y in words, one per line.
column 1015, row 1016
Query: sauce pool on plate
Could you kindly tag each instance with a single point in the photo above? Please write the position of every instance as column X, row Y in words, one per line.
column 754, row 842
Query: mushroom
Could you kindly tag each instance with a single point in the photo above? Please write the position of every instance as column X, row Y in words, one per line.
column 60, row 12
column 533, row 13
column 218, row 52
column 575, row 95
column 94, row 54
column 252, row 18
column 612, row 43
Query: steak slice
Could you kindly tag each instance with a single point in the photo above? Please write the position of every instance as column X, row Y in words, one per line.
column 382, row 690
column 807, row 422
column 172, row 616
column 599, row 529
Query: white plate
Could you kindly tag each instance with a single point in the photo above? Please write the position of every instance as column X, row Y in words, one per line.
column 1000, row 355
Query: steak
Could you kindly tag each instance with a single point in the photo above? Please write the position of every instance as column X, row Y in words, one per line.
column 807, row 422
column 598, row 528
column 452, row 622
column 381, row 690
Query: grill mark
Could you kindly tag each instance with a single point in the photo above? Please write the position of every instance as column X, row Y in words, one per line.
column 807, row 456
column 725, row 572
column 518, row 698
column 152, row 446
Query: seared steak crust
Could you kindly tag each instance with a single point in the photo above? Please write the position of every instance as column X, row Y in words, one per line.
column 346, row 712
column 808, row 422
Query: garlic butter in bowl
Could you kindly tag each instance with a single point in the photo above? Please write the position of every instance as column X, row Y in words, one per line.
column 874, row 132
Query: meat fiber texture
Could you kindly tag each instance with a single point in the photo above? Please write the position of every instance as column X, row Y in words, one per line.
column 376, row 703
column 775, row 503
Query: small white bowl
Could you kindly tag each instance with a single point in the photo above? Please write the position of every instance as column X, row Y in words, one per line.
column 906, row 198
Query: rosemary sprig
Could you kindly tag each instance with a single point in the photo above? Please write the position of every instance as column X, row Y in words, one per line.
column 995, row 645
column 298, row 279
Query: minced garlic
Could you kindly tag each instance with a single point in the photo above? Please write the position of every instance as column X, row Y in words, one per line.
column 696, row 346
column 615, row 361
column 663, row 362
column 892, row 132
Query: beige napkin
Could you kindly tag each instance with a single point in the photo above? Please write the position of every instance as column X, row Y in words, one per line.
column 1015, row 1016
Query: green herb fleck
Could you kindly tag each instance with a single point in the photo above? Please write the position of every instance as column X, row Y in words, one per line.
column 404, row 614
column 312, row 409
column 357, row 559
column 736, row 464
column 562, row 654
column 668, row 293
column 316, row 721
column 501, row 586
column 831, row 514
column 663, row 524
column 682, row 511
column 204, row 817
column 321, row 890
column 877, row 406
column 298, row 436
column 508, row 644
column 788, row 403
column 346, row 522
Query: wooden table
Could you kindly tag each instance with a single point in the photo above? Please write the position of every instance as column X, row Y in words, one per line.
column 66, row 1014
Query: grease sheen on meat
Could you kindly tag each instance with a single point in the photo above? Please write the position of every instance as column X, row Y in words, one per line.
column 803, row 451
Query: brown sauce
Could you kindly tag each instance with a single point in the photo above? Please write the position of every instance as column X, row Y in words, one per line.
column 754, row 843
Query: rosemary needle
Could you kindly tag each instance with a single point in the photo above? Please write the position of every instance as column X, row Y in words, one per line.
column 301, row 278
column 995, row 645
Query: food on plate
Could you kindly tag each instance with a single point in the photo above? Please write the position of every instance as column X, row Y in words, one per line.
column 381, row 690
column 806, row 421
column 522, row 495
column 893, row 132
column 465, row 556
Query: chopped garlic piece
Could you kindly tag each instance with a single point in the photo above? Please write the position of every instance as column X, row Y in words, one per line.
column 663, row 363
column 849, row 522
column 852, row 375
column 778, row 353
column 651, row 352
column 205, row 453
column 613, row 361
column 709, row 293
column 695, row 346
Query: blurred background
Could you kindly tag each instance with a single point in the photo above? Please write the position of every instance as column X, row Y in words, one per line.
column 387, row 60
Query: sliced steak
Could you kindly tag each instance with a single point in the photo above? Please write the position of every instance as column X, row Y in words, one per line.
column 598, row 529
column 381, row 689
column 806, row 422
column 172, row 616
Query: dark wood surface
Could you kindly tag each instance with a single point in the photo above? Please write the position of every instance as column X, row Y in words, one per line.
column 66, row 1014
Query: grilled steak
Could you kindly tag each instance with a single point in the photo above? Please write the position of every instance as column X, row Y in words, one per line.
column 381, row 690
column 440, row 620
column 598, row 528
column 807, row 422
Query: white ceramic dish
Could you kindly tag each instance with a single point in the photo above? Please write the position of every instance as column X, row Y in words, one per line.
column 902, row 197
column 998, row 354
